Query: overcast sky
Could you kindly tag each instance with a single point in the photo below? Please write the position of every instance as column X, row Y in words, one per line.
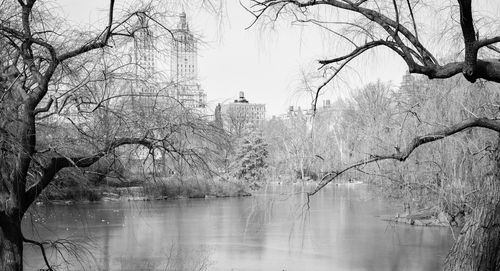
column 268, row 65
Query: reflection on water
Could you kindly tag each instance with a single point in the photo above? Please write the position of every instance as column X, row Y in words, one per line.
column 271, row 231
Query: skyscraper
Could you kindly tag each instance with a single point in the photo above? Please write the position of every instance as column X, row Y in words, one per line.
column 144, row 54
column 183, row 53
column 183, row 66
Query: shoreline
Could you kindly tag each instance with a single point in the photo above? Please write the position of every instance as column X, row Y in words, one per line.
column 423, row 219
column 115, row 197
column 147, row 190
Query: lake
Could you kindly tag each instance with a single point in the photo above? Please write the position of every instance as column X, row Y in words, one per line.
column 272, row 230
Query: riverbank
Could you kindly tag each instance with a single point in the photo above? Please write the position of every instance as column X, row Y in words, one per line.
column 157, row 189
column 426, row 218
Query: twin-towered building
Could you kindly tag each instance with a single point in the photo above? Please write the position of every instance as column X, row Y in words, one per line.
column 181, row 73
column 176, row 71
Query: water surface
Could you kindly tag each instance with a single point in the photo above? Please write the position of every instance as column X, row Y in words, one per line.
column 272, row 230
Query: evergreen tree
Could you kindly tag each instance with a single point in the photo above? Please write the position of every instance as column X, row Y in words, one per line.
column 250, row 159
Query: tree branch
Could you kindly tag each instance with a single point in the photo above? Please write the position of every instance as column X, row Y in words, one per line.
column 42, row 248
column 355, row 52
column 412, row 19
column 486, row 42
column 93, row 45
column 58, row 163
column 414, row 144
column 45, row 108
column 493, row 48
column 407, row 43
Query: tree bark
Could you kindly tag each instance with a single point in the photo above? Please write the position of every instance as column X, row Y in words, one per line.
column 11, row 244
column 478, row 244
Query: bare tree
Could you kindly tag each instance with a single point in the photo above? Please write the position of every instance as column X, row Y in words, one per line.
column 53, row 73
column 365, row 25
column 237, row 122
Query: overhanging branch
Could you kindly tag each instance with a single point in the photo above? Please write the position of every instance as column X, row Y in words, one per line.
column 58, row 163
column 404, row 40
column 355, row 52
column 491, row 124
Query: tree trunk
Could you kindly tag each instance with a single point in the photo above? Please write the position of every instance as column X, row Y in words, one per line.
column 478, row 244
column 11, row 244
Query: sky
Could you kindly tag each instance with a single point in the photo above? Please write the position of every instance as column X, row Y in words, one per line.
column 265, row 62
column 268, row 65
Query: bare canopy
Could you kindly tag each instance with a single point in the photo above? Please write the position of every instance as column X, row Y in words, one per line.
column 403, row 39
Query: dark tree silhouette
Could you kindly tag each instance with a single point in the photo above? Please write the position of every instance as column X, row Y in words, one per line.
column 41, row 55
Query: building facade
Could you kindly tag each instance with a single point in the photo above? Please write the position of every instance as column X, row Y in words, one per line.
column 166, row 78
column 184, row 67
column 184, row 53
column 241, row 114
column 144, row 55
